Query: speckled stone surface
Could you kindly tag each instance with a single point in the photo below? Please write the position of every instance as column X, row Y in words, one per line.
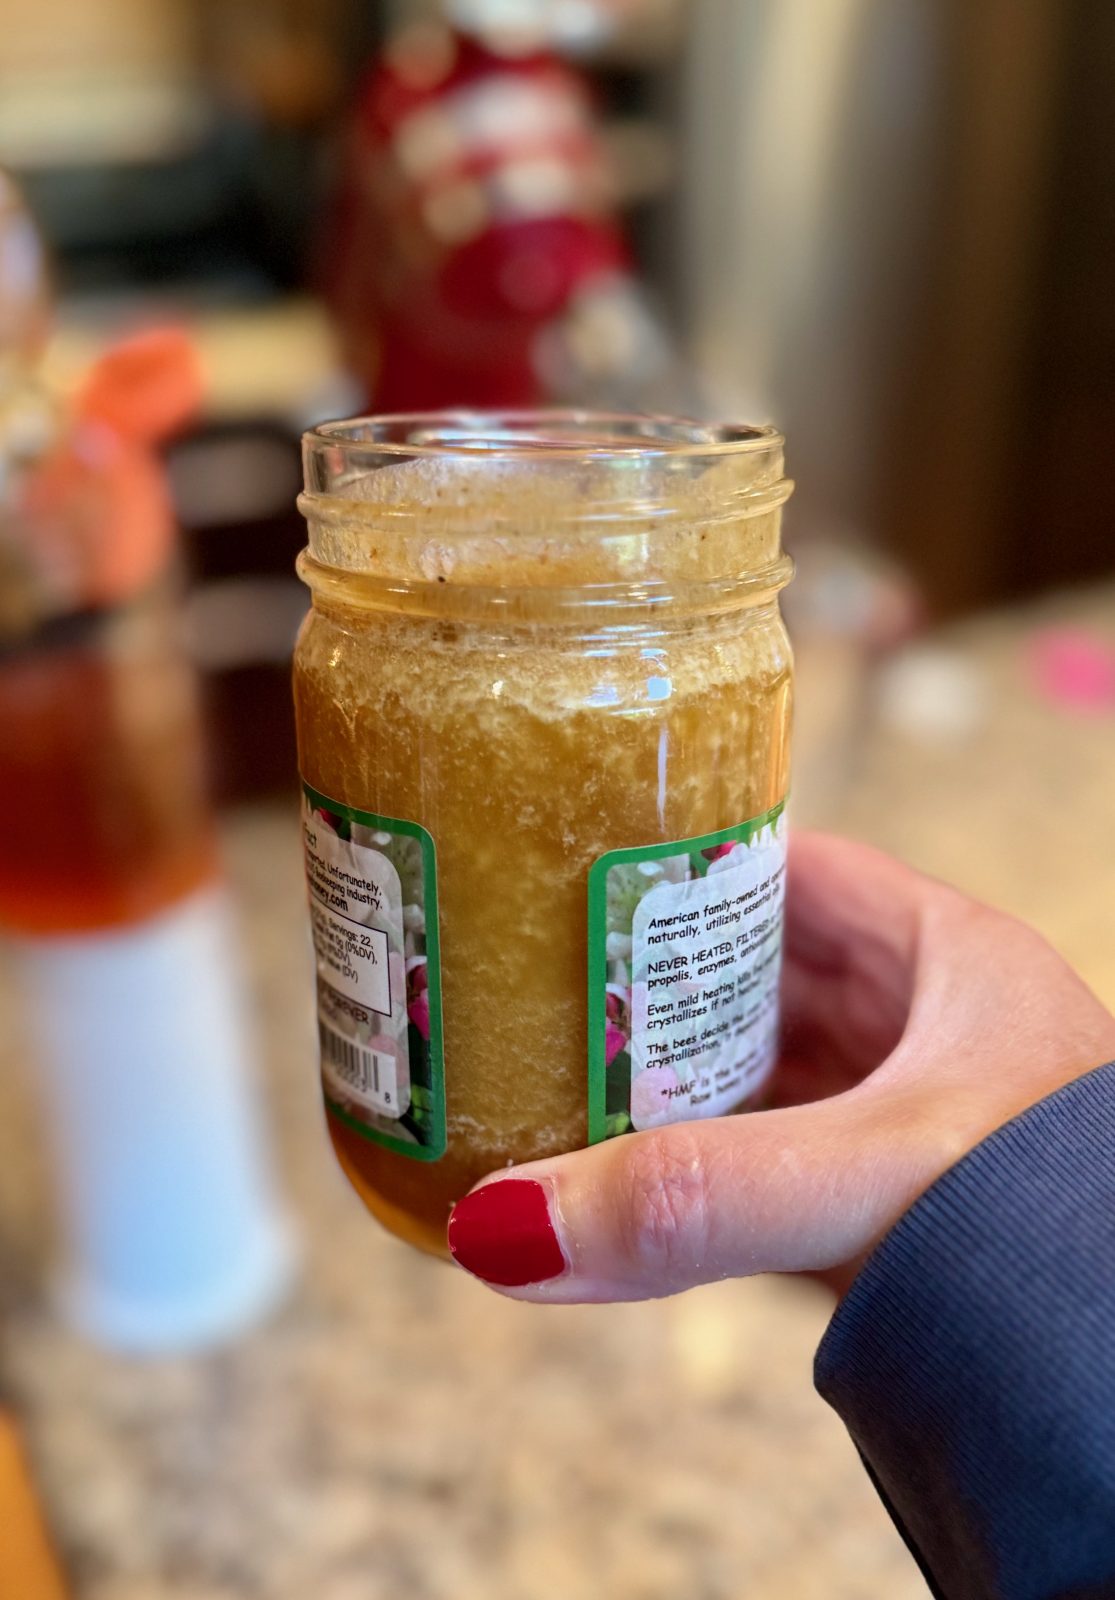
column 397, row 1431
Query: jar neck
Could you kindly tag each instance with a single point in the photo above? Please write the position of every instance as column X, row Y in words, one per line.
column 599, row 608
column 567, row 518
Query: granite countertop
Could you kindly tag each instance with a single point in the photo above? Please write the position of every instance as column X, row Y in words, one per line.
column 396, row 1430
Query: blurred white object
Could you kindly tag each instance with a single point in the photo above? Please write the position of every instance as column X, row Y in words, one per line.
column 846, row 611
column 175, row 1233
column 932, row 693
column 571, row 24
column 609, row 349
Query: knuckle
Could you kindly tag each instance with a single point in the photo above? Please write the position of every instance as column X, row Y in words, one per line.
column 665, row 1215
column 975, row 927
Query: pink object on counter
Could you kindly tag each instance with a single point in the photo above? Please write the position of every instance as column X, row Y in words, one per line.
column 1074, row 668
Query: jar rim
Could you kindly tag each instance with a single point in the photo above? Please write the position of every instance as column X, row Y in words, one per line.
column 546, row 434
column 545, row 500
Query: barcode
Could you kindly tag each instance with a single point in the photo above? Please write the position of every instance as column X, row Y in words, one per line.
column 358, row 1067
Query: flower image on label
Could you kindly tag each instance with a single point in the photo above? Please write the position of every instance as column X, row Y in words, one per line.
column 373, row 912
column 685, row 947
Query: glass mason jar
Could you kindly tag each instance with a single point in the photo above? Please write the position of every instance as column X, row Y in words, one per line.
column 543, row 704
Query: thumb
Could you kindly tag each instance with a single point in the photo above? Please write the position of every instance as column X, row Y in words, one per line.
column 648, row 1214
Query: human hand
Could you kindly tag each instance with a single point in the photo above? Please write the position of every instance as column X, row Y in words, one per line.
column 916, row 1021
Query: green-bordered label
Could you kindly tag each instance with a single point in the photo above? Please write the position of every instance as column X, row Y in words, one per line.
column 685, row 947
column 373, row 910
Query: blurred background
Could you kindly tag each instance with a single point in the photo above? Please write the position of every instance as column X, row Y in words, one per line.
column 888, row 227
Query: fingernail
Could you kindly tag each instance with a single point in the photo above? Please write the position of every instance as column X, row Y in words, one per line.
column 503, row 1234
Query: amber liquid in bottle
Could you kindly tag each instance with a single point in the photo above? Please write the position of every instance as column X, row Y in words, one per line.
column 103, row 814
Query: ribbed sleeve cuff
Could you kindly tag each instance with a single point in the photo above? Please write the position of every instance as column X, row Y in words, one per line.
column 973, row 1360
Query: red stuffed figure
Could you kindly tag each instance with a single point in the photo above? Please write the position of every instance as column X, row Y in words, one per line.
column 477, row 206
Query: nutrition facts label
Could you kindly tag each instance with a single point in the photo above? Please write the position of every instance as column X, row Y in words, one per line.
column 356, row 913
column 354, row 957
column 373, row 911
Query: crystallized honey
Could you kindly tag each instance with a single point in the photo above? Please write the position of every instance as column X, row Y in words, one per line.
column 543, row 701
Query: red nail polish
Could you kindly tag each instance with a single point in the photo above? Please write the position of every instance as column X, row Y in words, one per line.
column 503, row 1234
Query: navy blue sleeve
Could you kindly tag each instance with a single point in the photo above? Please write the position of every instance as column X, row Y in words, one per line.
column 973, row 1360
